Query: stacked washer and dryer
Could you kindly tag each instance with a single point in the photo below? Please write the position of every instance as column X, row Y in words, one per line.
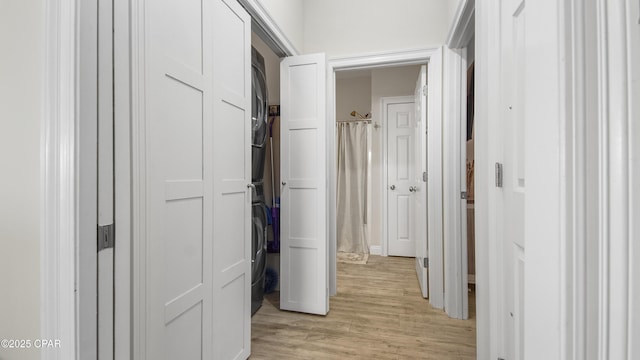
column 259, row 128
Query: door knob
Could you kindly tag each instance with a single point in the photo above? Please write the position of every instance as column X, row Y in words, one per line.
column 252, row 186
column 392, row 187
column 412, row 189
column 284, row 183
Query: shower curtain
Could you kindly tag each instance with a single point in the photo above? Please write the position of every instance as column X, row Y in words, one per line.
column 352, row 148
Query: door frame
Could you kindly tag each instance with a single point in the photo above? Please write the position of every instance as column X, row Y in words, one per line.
column 384, row 102
column 68, row 180
column 354, row 62
column 455, row 209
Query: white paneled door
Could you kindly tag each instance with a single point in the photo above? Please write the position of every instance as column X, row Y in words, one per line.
column 420, row 181
column 231, row 181
column 304, row 243
column 191, row 208
column 401, row 175
column 434, row 181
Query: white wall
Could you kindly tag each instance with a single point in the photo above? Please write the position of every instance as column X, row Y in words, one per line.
column 288, row 14
column 339, row 27
column 22, row 42
column 398, row 81
column 352, row 94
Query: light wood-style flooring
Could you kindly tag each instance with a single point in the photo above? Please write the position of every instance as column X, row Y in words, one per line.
column 377, row 314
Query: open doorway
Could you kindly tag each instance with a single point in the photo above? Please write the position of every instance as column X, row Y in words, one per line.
column 265, row 236
column 359, row 91
column 362, row 98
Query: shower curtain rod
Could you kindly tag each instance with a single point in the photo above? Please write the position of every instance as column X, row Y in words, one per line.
column 355, row 120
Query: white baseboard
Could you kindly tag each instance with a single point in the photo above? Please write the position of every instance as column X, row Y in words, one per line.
column 375, row 250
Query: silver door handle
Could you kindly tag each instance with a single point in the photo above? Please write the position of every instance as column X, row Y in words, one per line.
column 412, row 189
column 251, row 186
column 284, row 183
column 392, row 187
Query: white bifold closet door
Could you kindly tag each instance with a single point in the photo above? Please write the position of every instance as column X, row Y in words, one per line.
column 232, row 178
column 304, row 243
column 191, row 168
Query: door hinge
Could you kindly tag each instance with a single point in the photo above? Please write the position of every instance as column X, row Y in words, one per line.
column 498, row 175
column 425, row 263
column 424, row 90
column 463, row 195
column 424, row 176
column 106, row 236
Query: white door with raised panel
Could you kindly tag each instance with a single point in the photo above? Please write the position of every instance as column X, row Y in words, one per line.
column 420, row 182
column 401, row 169
column 304, row 260
column 191, row 204
column 231, row 181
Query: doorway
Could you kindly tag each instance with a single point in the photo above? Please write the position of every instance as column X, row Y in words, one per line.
column 362, row 98
column 384, row 63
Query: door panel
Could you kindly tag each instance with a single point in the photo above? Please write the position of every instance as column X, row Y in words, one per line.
column 304, row 243
column 434, row 181
column 178, row 276
column 513, row 142
column 401, row 135
column 232, row 176
column 191, row 162
column 420, row 195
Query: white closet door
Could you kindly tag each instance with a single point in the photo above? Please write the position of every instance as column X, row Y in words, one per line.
column 190, row 170
column 304, row 247
column 420, row 182
column 232, row 177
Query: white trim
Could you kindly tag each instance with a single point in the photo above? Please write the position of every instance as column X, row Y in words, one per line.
column 122, row 181
column 375, row 250
column 436, row 98
column 616, row 216
column 138, row 180
column 87, row 177
column 488, row 342
column 384, row 103
column 263, row 24
column 603, row 184
column 456, row 272
column 382, row 59
column 578, row 288
column 454, row 182
column 463, row 26
column 332, row 173
column 59, row 234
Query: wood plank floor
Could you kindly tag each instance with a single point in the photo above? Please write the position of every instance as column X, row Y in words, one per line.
column 377, row 314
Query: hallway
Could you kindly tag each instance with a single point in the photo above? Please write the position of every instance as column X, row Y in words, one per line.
column 377, row 314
